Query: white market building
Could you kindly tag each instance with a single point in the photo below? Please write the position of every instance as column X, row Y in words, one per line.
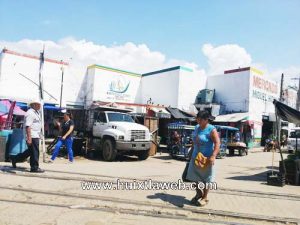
column 245, row 94
column 248, row 99
column 176, row 87
column 19, row 80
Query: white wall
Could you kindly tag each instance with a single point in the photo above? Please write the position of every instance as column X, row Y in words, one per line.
column 110, row 85
column 73, row 80
column 14, row 86
column 190, row 83
column 231, row 89
column 162, row 88
column 290, row 97
column 262, row 92
column 88, row 86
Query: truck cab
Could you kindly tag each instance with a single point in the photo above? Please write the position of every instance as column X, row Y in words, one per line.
column 119, row 134
column 293, row 141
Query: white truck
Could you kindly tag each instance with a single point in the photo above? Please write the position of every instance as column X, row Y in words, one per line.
column 293, row 141
column 115, row 133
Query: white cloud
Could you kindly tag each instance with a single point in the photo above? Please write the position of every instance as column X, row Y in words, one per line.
column 129, row 56
column 79, row 54
column 225, row 57
column 140, row 59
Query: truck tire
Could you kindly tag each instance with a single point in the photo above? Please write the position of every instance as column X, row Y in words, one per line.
column 143, row 155
column 242, row 152
column 231, row 152
column 109, row 152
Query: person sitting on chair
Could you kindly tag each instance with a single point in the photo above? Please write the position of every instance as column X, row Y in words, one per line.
column 237, row 137
column 176, row 137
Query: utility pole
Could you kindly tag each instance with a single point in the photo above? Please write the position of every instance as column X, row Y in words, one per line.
column 298, row 93
column 41, row 90
column 281, row 88
column 62, row 83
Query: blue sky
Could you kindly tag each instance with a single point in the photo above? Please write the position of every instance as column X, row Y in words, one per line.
column 268, row 29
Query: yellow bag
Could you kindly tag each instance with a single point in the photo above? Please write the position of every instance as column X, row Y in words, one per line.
column 201, row 161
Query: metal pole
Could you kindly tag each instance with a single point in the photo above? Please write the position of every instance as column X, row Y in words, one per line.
column 42, row 103
column 62, row 83
column 278, row 140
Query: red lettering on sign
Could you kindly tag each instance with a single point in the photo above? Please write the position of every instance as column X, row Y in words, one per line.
column 264, row 85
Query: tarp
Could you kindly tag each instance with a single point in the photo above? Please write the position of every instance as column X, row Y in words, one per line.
column 161, row 112
column 51, row 107
column 284, row 112
column 233, row 117
column 178, row 114
column 6, row 106
column 226, row 128
column 287, row 113
column 3, row 109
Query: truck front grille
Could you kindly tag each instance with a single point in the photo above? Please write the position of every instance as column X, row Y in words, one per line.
column 138, row 134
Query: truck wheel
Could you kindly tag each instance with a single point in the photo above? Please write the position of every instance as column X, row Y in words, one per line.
column 231, row 151
column 242, row 152
column 143, row 155
column 109, row 152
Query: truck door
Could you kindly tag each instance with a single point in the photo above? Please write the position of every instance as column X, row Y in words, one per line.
column 100, row 124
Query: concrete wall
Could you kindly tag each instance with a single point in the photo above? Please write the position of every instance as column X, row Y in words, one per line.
column 231, row 90
column 290, row 97
column 111, row 85
column 89, row 87
column 162, row 88
column 190, row 82
column 16, row 87
column 262, row 93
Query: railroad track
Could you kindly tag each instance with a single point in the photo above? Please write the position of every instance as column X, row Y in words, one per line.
column 148, row 213
column 186, row 208
column 145, row 212
column 105, row 178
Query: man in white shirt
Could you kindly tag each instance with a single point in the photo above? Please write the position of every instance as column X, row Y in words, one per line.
column 33, row 127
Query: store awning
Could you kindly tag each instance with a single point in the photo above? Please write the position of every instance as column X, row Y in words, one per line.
column 22, row 105
column 50, row 106
column 179, row 114
column 233, row 117
column 5, row 106
column 287, row 113
column 161, row 112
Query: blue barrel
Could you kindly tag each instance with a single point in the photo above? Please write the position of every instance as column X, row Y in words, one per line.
column 17, row 142
column 7, row 135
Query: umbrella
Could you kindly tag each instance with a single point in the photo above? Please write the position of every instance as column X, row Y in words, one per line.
column 3, row 109
column 5, row 106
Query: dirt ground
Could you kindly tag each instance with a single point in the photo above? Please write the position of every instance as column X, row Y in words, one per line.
column 57, row 196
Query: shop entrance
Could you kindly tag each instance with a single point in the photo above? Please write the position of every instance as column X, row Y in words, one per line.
column 267, row 131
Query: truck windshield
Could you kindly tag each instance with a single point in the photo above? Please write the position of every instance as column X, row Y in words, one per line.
column 295, row 134
column 119, row 117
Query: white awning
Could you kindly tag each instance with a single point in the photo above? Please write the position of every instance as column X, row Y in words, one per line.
column 233, row 117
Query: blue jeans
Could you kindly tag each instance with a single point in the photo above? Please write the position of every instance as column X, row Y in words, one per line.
column 68, row 143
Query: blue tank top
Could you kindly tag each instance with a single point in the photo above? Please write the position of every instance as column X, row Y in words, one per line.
column 204, row 144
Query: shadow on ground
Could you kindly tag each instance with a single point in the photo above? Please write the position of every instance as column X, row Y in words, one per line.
column 255, row 177
column 176, row 200
column 162, row 157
